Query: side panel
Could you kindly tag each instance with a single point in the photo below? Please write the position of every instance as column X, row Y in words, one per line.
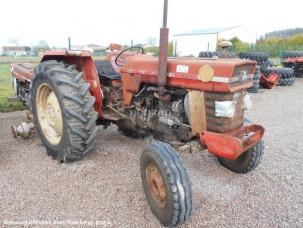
column 85, row 63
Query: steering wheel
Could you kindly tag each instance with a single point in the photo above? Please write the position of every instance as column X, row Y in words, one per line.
column 120, row 60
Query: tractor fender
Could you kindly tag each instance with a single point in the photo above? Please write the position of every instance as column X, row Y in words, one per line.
column 85, row 63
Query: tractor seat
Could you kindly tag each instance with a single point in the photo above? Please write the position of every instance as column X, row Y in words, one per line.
column 105, row 69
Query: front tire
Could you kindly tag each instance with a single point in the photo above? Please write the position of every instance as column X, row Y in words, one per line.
column 166, row 184
column 63, row 110
column 247, row 161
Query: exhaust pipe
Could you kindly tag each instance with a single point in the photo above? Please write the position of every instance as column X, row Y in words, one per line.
column 163, row 55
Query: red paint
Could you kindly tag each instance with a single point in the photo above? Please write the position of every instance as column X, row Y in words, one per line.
column 22, row 72
column 144, row 69
column 293, row 60
column 270, row 81
column 84, row 62
column 232, row 144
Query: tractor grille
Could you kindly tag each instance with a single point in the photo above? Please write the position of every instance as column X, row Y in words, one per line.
column 238, row 74
column 224, row 124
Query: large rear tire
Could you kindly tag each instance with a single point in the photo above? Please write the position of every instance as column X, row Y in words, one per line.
column 256, row 56
column 219, row 54
column 262, row 58
column 63, row 110
column 166, row 184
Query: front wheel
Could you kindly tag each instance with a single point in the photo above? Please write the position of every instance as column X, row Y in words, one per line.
column 166, row 184
column 247, row 161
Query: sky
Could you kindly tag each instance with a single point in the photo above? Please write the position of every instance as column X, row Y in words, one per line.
column 120, row 21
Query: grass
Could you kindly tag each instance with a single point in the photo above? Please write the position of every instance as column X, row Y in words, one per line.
column 276, row 61
column 6, row 91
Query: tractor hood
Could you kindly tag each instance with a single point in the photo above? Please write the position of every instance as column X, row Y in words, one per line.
column 217, row 70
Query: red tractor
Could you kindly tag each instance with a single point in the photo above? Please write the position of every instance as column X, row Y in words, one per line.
column 172, row 99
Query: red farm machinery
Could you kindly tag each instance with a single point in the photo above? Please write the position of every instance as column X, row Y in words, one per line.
column 172, row 99
column 294, row 60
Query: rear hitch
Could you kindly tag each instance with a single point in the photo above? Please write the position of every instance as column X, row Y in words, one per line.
column 24, row 130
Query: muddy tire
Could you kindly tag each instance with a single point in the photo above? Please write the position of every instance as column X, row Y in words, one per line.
column 63, row 110
column 166, row 184
column 247, row 162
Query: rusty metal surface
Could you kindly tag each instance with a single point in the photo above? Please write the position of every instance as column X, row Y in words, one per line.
column 113, row 55
column 24, row 130
column 163, row 54
column 146, row 67
column 224, row 124
column 232, row 144
column 270, row 81
column 131, row 85
column 162, row 65
column 85, row 63
column 23, row 71
column 156, row 185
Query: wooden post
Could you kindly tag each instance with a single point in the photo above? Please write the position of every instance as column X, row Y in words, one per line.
column 197, row 111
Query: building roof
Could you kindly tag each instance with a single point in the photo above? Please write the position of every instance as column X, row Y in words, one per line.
column 205, row 31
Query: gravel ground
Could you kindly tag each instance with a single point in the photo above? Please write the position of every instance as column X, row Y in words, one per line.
column 105, row 187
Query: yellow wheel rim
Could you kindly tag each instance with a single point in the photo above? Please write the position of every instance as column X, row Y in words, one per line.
column 49, row 114
column 156, row 185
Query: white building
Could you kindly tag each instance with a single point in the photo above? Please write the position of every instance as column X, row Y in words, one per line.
column 93, row 48
column 15, row 50
column 192, row 42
